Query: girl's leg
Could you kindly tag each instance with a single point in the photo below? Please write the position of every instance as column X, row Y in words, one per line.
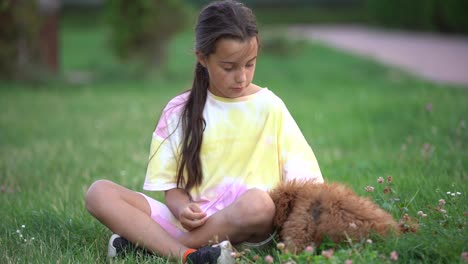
column 249, row 218
column 127, row 213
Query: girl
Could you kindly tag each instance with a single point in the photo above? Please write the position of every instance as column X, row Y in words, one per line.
column 216, row 151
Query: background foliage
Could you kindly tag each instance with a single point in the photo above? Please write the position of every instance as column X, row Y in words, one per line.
column 19, row 39
column 430, row 15
column 141, row 29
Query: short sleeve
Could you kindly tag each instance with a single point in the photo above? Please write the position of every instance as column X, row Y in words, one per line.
column 297, row 158
column 162, row 163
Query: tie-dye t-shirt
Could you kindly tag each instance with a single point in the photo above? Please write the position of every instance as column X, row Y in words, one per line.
column 248, row 142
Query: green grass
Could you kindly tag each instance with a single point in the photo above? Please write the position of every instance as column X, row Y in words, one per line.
column 363, row 121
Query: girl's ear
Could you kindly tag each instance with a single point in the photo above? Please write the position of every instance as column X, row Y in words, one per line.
column 201, row 58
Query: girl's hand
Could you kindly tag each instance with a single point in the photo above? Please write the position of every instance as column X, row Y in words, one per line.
column 192, row 217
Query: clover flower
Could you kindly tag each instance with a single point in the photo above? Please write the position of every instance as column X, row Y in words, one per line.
column 422, row 214
column 380, row 180
column 394, row 256
column 464, row 256
column 389, row 178
column 328, row 253
column 441, row 202
column 269, row 259
column 309, row 249
column 280, row 246
column 369, row 188
column 386, row 190
column 348, row 261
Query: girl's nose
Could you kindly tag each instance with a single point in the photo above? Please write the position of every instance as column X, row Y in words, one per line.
column 241, row 76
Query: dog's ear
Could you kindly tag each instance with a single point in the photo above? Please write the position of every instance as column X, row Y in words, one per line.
column 284, row 197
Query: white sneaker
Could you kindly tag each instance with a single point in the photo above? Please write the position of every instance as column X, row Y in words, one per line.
column 216, row 254
column 117, row 244
column 226, row 256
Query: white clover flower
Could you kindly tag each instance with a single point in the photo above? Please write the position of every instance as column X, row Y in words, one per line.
column 369, row 241
column 441, row 202
column 448, row 193
column 17, row 231
column 23, row 226
column 21, row 236
column 458, row 193
column 32, row 238
column 453, row 194
column 280, row 246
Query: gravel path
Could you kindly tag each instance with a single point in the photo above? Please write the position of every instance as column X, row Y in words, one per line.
column 440, row 58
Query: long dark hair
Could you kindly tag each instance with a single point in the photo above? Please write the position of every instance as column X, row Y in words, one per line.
column 221, row 19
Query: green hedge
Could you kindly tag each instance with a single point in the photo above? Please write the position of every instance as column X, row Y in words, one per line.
column 431, row 15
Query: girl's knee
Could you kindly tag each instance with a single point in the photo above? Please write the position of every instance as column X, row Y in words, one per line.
column 257, row 207
column 97, row 193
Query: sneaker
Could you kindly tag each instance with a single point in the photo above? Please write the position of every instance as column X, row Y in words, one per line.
column 220, row 253
column 117, row 244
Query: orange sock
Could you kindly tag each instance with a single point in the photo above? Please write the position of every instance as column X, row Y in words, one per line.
column 186, row 253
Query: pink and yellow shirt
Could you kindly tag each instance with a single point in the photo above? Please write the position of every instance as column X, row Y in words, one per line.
column 248, row 142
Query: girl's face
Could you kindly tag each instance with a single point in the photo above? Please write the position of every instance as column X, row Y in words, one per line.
column 231, row 67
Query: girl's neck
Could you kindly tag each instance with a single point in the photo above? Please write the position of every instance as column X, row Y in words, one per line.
column 252, row 93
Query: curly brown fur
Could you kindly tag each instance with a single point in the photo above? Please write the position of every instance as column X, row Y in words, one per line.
column 307, row 213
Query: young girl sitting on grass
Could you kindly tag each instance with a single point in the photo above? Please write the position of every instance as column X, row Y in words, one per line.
column 216, row 151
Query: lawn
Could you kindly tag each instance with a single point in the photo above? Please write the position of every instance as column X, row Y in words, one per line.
column 363, row 120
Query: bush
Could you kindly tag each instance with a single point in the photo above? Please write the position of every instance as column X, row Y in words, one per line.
column 142, row 29
column 452, row 16
column 432, row 15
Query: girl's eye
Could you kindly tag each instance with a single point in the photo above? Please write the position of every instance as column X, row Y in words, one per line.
column 250, row 65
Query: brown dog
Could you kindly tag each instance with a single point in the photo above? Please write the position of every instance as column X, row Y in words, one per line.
column 306, row 213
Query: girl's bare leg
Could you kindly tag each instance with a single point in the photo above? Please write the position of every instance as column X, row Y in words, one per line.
column 127, row 213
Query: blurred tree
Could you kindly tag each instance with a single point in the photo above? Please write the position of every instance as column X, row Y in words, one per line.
column 142, row 29
column 49, row 48
column 19, row 39
column 28, row 39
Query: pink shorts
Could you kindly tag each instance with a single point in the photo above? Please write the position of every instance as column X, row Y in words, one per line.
column 161, row 214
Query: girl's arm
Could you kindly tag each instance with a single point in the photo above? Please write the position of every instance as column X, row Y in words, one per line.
column 176, row 200
column 189, row 214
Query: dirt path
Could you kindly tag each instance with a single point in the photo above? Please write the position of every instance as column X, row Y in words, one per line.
column 435, row 57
